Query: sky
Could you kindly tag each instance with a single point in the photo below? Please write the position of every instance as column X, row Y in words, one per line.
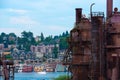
column 51, row 17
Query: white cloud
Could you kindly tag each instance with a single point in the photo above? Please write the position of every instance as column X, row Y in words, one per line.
column 8, row 30
column 48, row 5
column 18, row 11
column 46, row 29
column 22, row 20
column 57, row 28
column 49, row 29
column 53, row 15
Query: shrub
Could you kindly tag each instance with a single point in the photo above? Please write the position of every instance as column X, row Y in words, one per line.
column 64, row 77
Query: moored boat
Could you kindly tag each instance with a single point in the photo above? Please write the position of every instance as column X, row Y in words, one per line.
column 60, row 68
column 49, row 69
column 27, row 68
column 39, row 68
column 19, row 68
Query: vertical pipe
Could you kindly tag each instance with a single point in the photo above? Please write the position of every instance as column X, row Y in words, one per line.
column 109, row 8
column 91, row 9
column 78, row 15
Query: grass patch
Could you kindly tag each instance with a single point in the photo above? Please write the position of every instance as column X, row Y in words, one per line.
column 64, row 77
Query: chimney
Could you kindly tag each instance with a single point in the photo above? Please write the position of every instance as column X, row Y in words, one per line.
column 109, row 8
column 78, row 15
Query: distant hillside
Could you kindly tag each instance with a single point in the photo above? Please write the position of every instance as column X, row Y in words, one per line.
column 27, row 39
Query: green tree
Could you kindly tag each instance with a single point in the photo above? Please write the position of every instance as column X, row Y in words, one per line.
column 64, row 77
column 8, row 57
column 12, row 38
column 63, row 43
column 12, row 34
column 27, row 40
column 48, row 40
column 55, row 52
column 67, row 33
column 63, row 34
column 3, row 34
column 3, row 37
column 42, row 37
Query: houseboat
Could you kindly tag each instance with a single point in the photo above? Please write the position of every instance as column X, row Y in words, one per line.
column 39, row 68
column 27, row 68
column 50, row 67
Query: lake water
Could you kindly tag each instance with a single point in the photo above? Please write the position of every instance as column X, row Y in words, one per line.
column 38, row 76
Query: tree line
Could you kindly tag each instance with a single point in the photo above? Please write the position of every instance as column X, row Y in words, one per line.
column 27, row 39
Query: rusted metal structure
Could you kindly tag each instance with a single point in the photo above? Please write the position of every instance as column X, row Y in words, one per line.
column 80, row 46
column 97, row 51
column 78, row 54
column 113, row 45
column 94, row 46
column 6, row 68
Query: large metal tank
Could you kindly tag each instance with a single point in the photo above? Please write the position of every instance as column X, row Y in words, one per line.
column 94, row 48
column 79, row 42
column 113, row 46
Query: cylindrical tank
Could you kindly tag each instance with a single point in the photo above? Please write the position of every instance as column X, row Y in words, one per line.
column 115, row 28
column 113, row 54
column 80, row 47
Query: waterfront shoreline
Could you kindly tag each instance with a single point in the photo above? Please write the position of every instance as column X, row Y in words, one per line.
column 48, row 67
column 38, row 76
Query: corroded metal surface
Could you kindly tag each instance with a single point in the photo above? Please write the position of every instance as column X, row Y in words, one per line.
column 79, row 43
column 109, row 8
column 94, row 46
column 7, row 68
column 113, row 58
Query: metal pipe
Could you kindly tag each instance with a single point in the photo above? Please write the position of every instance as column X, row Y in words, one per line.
column 109, row 8
column 78, row 15
column 91, row 9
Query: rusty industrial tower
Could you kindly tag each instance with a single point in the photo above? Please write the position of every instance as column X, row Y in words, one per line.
column 94, row 46
column 6, row 67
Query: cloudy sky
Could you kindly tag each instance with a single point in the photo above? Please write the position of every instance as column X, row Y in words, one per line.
column 52, row 17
